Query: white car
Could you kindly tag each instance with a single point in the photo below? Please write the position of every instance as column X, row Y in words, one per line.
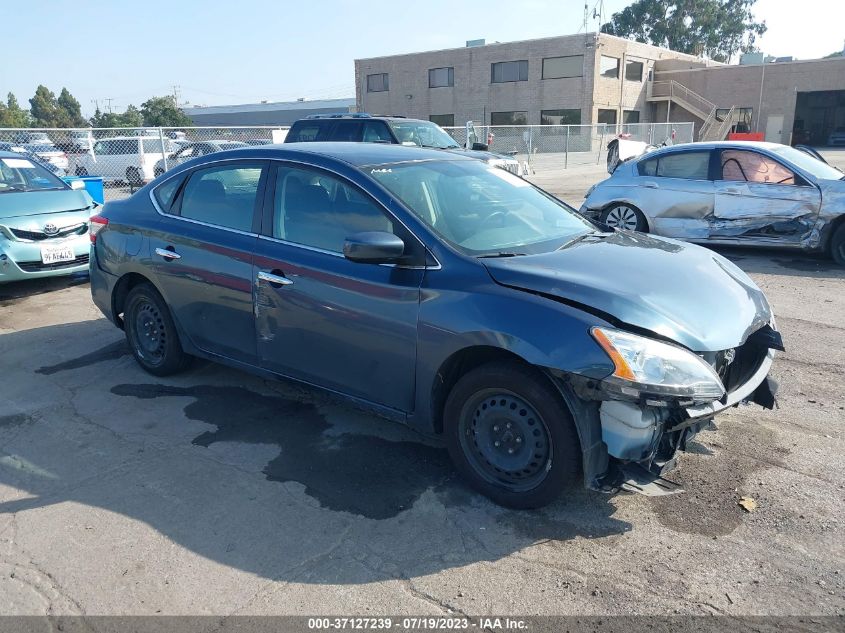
column 192, row 150
column 122, row 158
column 49, row 153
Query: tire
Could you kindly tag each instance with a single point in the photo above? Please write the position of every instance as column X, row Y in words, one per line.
column 511, row 436
column 837, row 244
column 624, row 216
column 133, row 177
column 81, row 171
column 151, row 333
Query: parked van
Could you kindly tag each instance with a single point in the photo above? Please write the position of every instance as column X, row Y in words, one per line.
column 122, row 158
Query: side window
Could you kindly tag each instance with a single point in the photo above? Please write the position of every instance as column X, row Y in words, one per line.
column 152, row 145
column 746, row 166
column 101, row 148
column 165, row 193
column 687, row 165
column 376, row 132
column 321, row 211
column 648, row 167
column 224, row 196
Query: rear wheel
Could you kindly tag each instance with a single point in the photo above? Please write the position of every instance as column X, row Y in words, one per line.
column 151, row 332
column 837, row 244
column 511, row 436
column 624, row 216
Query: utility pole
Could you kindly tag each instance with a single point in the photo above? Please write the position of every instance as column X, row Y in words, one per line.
column 176, row 88
column 96, row 103
column 108, row 101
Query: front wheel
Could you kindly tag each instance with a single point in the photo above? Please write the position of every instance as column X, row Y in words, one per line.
column 624, row 216
column 151, row 333
column 511, row 436
column 837, row 244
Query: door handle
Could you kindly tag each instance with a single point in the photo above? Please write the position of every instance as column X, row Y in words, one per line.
column 650, row 185
column 274, row 280
column 168, row 254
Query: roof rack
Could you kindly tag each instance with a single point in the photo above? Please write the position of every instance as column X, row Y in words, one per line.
column 340, row 115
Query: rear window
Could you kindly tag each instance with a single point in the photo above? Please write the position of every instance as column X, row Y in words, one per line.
column 307, row 131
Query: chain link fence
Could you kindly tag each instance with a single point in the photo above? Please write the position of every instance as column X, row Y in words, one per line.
column 546, row 148
column 126, row 158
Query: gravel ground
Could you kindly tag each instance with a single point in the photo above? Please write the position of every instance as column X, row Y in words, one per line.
column 219, row 493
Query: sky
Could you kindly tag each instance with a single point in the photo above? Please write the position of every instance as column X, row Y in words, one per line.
column 244, row 51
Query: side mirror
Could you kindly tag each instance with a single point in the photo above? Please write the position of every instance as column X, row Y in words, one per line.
column 480, row 147
column 77, row 184
column 373, row 247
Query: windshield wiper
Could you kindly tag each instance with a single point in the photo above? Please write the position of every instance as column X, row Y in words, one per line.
column 501, row 254
column 11, row 189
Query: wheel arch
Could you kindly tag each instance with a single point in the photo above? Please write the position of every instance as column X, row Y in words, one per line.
column 459, row 364
column 835, row 225
column 121, row 291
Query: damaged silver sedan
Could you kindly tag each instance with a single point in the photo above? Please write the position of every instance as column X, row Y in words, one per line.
column 732, row 192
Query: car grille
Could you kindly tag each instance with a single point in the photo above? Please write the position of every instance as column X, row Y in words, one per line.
column 37, row 236
column 747, row 358
column 37, row 267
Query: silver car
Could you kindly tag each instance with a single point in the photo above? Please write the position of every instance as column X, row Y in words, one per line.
column 731, row 192
column 192, row 150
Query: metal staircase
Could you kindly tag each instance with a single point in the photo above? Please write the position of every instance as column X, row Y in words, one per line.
column 713, row 128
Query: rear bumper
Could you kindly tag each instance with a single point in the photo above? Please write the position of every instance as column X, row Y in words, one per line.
column 102, row 289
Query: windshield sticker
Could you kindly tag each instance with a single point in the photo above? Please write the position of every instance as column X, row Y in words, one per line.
column 17, row 163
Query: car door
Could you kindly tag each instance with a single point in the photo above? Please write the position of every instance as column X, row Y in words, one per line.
column 759, row 198
column 202, row 252
column 350, row 327
column 675, row 191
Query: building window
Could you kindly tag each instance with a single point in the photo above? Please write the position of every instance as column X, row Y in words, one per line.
column 560, row 117
column 610, row 67
column 607, row 116
column 441, row 77
column 509, row 118
column 634, row 71
column 503, row 72
column 560, row 67
column 443, row 120
column 377, row 83
column 631, row 116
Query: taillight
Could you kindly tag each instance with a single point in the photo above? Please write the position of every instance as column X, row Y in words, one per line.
column 95, row 225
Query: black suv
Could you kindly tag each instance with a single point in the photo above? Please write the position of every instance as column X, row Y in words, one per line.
column 398, row 130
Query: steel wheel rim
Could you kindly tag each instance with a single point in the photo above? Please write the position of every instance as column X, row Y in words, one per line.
column 505, row 440
column 622, row 217
column 149, row 334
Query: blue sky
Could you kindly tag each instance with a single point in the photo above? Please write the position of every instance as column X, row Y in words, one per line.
column 248, row 50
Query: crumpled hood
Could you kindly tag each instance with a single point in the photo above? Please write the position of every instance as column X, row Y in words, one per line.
column 485, row 156
column 25, row 203
column 681, row 291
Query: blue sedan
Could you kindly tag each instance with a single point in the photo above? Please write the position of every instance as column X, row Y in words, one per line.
column 43, row 221
column 444, row 293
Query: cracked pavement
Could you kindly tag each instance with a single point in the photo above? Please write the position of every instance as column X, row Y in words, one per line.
column 219, row 493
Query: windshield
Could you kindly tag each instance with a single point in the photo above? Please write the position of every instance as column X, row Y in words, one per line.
column 422, row 133
column 482, row 210
column 22, row 174
column 808, row 163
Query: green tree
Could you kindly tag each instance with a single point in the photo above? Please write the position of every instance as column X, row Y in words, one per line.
column 11, row 114
column 130, row 118
column 163, row 111
column 717, row 29
column 44, row 108
column 70, row 112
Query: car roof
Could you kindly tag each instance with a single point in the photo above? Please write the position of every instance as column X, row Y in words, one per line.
column 357, row 116
column 356, row 154
column 13, row 155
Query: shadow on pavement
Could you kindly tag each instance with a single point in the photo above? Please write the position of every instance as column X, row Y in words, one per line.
column 278, row 481
column 781, row 262
column 14, row 291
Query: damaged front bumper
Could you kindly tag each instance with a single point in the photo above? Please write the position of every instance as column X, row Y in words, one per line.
column 630, row 444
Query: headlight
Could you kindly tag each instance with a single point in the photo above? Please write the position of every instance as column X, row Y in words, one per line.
column 647, row 366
